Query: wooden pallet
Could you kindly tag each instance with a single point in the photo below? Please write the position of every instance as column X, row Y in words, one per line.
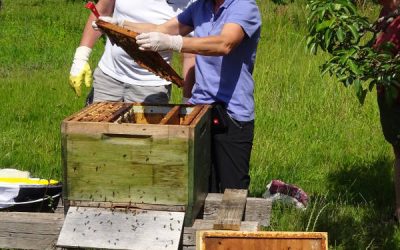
column 41, row 230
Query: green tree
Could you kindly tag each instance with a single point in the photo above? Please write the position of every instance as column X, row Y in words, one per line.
column 336, row 27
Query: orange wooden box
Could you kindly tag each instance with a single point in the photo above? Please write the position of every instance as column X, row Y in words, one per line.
column 237, row 240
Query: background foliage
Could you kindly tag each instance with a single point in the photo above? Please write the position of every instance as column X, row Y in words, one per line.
column 310, row 131
column 336, row 27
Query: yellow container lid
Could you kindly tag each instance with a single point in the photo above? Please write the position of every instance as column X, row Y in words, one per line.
column 27, row 181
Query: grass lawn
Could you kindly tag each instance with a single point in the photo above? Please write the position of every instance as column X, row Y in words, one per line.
column 310, row 131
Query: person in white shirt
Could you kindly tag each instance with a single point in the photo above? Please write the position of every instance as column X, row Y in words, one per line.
column 118, row 77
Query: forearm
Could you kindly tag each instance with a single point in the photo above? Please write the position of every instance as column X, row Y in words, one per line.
column 210, row 46
column 90, row 36
column 188, row 74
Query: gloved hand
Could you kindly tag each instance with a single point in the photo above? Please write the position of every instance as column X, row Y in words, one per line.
column 109, row 19
column 157, row 41
column 80, row 70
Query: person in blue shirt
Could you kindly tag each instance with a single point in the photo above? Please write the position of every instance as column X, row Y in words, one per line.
column 226, row 34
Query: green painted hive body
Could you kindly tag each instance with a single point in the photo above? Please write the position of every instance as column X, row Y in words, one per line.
column 126, row 154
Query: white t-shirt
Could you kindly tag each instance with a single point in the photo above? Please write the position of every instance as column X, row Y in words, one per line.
column 115, row 62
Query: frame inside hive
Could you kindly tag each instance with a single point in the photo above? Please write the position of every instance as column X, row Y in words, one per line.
column 152, row 61
column 120, row 112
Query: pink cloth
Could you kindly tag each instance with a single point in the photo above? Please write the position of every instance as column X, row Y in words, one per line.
column 278, row 186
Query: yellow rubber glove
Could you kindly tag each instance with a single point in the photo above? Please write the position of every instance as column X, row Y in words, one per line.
column 80, row 70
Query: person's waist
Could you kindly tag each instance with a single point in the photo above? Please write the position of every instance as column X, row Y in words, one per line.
column 234, row 117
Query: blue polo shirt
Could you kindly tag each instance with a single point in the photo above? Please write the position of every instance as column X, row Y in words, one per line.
column 226, row 79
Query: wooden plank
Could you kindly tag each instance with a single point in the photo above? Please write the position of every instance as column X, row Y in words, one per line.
column 218, row 240
column 251, row 226
column 257, row 209
column 189, row 233
column 190, row 117
column 197, row 118
column 212, row 205
column 121, row 229
column 189, row 236
column 232, row 208
column 29, row 230
column 172, row 116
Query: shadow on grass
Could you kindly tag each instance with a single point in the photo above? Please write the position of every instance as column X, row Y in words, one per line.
column 358, row 210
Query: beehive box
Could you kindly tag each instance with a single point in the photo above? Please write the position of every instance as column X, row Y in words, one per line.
column 133, row 155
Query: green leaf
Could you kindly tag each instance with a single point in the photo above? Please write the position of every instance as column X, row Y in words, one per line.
column 353, row 67
column 340, row 34
column 354, row 32
column 347, row 55
column 313, row 49
column 337, row 6
column 324, row 25
column 310, row 40
column 325, row 68
column 328, row 37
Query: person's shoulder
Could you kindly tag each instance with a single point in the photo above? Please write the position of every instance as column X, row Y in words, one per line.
column 245, row 2
column 245, row 7
column 250, row 5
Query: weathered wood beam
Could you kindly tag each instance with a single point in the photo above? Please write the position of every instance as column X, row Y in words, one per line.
column 232, row 209
column 29, row 230
column 257, row 209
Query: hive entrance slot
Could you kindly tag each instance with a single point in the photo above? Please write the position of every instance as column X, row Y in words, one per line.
column 128, row 136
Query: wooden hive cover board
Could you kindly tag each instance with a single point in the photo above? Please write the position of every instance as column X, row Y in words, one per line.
column 121, row 229
column 152, row 61
column 238, row 240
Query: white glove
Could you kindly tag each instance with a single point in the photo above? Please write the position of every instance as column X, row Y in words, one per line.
column 109, row 19
column 157, row 41
column 80, row 70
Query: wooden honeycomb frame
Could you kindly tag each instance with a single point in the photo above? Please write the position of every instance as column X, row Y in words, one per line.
column 152, row 61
